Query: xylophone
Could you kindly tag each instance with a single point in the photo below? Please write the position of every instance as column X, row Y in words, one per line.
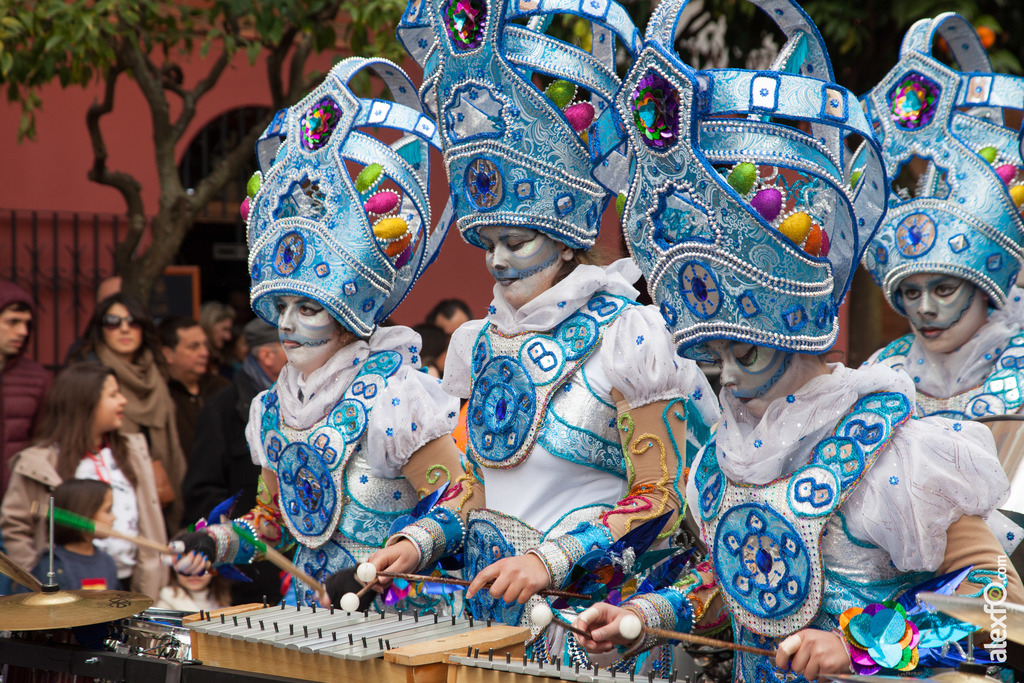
column 485, row 667
column 330, row 645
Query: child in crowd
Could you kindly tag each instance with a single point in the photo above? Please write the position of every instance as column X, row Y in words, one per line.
column 77, row 563
column 209, row 591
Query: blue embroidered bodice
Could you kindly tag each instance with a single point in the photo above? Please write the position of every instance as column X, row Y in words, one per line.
column 531, row 388
column 781, row 552
column 1002, row 392
column 331, row 502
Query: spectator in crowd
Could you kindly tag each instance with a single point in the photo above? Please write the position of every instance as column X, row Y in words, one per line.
column 449, row 314
column 208, row 592
column 121, row 336
column 191, row 384
column 217, row 320
column 435, row 348
column 79, row 437
column 221, row 465
column 23, row 382
column 77, row 562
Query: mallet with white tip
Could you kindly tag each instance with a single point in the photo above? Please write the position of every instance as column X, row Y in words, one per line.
column 631, row 628
column 367, row 574
column 541, row 615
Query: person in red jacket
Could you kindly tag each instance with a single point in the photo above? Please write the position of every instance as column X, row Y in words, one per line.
column 23, row 382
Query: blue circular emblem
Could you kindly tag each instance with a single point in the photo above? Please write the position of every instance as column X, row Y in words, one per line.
column 484, row 184
column 915, row 235
column 307, row 490
column 761, row 561
column 501, row 410
column 700, row 290
column 288, row 253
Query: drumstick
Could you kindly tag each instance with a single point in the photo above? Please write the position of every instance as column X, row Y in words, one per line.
column 631, row 627
column 279, row 560
column 462, row 582
column 91, row 526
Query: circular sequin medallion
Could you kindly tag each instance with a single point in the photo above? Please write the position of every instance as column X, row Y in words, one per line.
column 308, row 494
column 761, row 561
column 699, row 289
column 501, row 412
column 915, row 235
column 288, row 253
column 484, row 184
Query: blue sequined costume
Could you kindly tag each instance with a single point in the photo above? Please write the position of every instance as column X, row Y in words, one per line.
column 748, row 230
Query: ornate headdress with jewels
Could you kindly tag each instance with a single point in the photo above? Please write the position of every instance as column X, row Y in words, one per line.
column 517, row 153
column 956, row 169
column 336, row 214
column 745, row 208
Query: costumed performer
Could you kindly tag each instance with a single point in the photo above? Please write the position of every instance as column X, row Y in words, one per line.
column 580, row 411
column 950, row 247
column 352, row 432
column 819, row 497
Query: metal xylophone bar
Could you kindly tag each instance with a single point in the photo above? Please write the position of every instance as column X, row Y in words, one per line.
column 478, row 668
column 362, row 647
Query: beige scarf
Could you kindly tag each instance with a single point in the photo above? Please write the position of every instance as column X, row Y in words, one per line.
column 150, row 410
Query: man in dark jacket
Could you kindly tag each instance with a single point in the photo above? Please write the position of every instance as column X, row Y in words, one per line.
column 221, row 465
column 23, row 382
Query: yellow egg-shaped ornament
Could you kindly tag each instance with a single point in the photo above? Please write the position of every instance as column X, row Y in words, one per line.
column 1017, row 195
column 390, row 228
column 796, row 227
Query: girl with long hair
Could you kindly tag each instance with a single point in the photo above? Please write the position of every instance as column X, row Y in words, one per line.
column 121, row 336
column 79, row 437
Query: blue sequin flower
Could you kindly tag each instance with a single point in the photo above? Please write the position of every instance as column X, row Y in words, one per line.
column 491, row 310
column 894, row 480
column 957, row 426
column 363, row 479
column 791, row 398
column 640, row 340
column 397, row 495
column 395, row 401
column 389, row 431
column 757, row 444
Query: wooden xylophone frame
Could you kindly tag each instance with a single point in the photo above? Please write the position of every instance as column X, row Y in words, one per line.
column 330, row 645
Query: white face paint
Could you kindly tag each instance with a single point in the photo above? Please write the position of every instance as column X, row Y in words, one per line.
column 523, row 261
column 944, row 311
column 308, row 333
column 748, row 371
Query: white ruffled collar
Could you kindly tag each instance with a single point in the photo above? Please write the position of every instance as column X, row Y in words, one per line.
column 946, row 374
column 753, row 451
column 324, row 386
column 566, row 297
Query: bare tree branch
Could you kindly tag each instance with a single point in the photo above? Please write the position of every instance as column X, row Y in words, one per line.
column 129, row 187
column 209, row 186
column 191, row 97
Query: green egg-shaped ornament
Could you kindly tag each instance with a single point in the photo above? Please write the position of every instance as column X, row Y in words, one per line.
column 368, row 177
column 742, row 177
column 560, row 93
column 620, row 204
column 988, row 154
column 253, row 186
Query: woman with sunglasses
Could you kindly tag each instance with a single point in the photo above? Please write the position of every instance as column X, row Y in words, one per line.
column 121, row 336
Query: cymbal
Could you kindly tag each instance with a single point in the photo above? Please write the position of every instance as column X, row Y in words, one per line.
column 8, row 567
column 972, row 610
column 947, row 677
column 63, row 609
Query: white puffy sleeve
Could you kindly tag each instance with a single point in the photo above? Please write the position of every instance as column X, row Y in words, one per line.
column 457, row 364
column 253, row 432
column 933, row 472
column 640, row 360
column 412, row 411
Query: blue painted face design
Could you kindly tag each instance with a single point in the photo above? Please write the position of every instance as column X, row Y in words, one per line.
column 307, row 332
column 523, row 261
column 944, row 311
column 749, row 371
